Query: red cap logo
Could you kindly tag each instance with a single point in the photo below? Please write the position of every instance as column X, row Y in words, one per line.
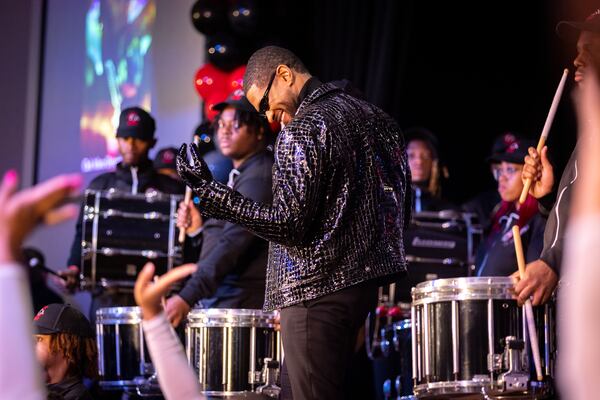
column 133, row 119
column 237, row 94
column 509, row 138
column 168, row 157
column 40, row 313
column 513, row 147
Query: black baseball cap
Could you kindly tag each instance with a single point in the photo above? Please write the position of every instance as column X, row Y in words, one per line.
column 510, row 148
column 165, row 158
column 566, row 29
column 236, row 100
column 136, row 122
column 62, row 318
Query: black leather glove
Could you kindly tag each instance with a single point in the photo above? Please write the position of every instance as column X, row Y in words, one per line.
column 197, row 176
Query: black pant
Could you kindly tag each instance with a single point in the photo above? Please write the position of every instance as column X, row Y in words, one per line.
column 319, row 338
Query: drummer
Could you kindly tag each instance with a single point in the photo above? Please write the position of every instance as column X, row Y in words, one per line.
column 134, row 174
column 233, row 261
column 496, row 254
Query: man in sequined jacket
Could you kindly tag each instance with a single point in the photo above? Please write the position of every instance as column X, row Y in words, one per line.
column 340, row 205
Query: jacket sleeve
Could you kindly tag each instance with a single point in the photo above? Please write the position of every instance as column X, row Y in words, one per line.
column 176, row 377
column 299, row 166
column 536, row 239
column 556, row 226
column 232, row 245
column 20, row 376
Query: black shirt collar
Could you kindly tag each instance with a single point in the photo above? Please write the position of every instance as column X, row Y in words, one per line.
column 252, row 159
column 143, row 166
column 310, row 86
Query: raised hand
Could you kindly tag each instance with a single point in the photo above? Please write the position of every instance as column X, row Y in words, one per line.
column 196, row 176
column 148, row 293
column 21, row 211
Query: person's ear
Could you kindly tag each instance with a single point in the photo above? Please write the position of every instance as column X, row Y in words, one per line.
column 286, row 74
column 261, row 133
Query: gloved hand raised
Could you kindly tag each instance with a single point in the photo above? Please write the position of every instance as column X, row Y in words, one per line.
column 197, row 176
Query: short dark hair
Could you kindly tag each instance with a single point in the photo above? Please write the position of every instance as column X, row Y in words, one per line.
column 263, row 63
column 252, row 120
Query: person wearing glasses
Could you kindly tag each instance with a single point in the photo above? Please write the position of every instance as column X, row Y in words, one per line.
column 496, row 255
column 341, row 203
column 232, row 261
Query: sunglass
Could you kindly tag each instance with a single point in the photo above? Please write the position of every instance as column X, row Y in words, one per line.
column 263, row 106
column 508, row 172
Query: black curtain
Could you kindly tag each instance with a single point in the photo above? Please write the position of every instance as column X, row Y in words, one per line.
column 468, row 71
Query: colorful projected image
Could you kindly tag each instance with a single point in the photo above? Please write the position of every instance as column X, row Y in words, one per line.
column 118, row 74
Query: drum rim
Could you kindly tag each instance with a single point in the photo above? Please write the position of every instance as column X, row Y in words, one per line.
column 442, row 387
column 463, row 288
column 121, row 310
column 232, row 311
column 116, row 315
column 230, row 317
column 150, row 196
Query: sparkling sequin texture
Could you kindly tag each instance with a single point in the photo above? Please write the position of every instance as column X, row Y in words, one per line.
column 340, row 199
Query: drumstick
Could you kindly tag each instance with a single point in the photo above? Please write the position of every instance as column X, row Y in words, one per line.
column 546, row 129
column 528, row 308
column 188, row 195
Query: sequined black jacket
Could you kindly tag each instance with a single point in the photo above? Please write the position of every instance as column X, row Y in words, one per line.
column 340, row 200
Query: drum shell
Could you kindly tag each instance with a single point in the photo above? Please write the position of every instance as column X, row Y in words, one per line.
column 227, row 348
column 122, row 353
column 457, row 322
column 122, row 231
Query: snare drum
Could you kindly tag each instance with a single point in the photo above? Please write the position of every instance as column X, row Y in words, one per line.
column 122, row 355
column 121, row 232
column 227, row 348
column 469, row 336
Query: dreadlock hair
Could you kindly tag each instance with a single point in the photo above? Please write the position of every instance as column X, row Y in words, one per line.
column 81, row 354
column 263, row 62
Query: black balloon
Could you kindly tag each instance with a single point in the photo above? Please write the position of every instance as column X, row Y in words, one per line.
column 243, row 16
column 223, row 52
column 209, row 16
column 204, row 131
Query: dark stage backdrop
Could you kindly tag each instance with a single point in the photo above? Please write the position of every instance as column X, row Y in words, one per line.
column 466, row 70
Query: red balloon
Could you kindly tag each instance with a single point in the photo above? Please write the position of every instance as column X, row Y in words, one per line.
column 209, row 80
column 210, row 101
column 236, row 78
